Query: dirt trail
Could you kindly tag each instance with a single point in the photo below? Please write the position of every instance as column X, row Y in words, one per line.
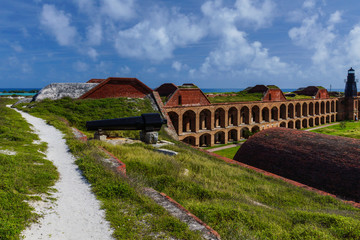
column 75, row 214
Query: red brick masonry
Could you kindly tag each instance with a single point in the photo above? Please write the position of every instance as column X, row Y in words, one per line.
column 266, row 173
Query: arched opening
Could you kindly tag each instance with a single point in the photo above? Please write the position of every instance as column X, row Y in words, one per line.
column 327, row 107
column 322, row 120
column 205, row 140
column 219, row 118
column 244, row 115
column 255, row 114
column 283, row 111
column 232, row 135
column 189, row 140
column 311, row 109
column 265, row 114
column 233, row 116
column 291, row 110
column 304, row 110
column 274, row 114
column 317, row 108
column 327, row 119
column 311, row 122
column 298, row 110
column 304, row 123
column 291, row 124
column 332, row 106
column 174, row 117
column 283, row 124
column 219, row 138
column 317, row 122
column 322, row 108
column 245, row 133
column 205, row 120
column 298, row 124
column 189, row 118
column 332, row 118
column 255, row 129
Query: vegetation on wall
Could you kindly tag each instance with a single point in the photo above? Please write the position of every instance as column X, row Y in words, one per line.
column 242, row 96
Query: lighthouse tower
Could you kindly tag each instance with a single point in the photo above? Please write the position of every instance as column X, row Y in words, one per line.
column 349, row 105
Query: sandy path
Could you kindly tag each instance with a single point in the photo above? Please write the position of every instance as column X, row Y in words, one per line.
column 76, row 213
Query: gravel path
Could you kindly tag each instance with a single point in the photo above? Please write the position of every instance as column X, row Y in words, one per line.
column 75, row 214
column 323, row 126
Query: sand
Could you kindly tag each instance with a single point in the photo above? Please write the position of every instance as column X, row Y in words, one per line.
column 76, row 213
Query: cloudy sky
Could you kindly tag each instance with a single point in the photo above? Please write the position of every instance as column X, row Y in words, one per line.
column 212, row 43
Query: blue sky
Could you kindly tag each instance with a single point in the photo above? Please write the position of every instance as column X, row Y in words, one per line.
column 212, row 43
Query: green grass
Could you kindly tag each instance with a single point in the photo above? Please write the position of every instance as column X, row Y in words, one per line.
column 345, row 129
column 131, row 214
column 228, row 152
column 242, row 96
column 237, row 202
column 21, row 175
column 298, row 97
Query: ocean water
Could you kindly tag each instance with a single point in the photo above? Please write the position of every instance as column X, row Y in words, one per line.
column 17, row 89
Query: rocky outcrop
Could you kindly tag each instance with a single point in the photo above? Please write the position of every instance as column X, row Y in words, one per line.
column 59, row 90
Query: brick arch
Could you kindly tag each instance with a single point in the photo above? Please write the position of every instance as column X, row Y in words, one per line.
column 291, row 110
column 255, row 114
column 265, row 114
column 205, row 140
column 298, row 124
column 244, row 115
column 317, row 121
column 322, row 120
column 205, row 119
column 219, row 118
column 333, row 118
column 304, row 109
column 311, row 122
column 190, row 140
column 298, row 110
column 322, row 107
column 332, row 106
column 244, row 132
column 174, row 117
column 305, row 123
column 283, row 111
column 233, row 117
column 233, row 135
column 274, row 114
column 317, row 108
column 219, row 137
column 291, row 124
column 255, row 129
column 328, row 119
column 311, row 109
column 283, row 124
column 189, row 121
column 327, row 107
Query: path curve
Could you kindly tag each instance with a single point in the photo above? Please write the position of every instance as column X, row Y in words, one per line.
column 76, row 213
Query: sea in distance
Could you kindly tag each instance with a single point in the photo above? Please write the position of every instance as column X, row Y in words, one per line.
column 14, row 91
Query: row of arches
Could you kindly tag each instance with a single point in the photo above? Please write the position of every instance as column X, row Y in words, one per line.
column 236, row 134
column 219, row 118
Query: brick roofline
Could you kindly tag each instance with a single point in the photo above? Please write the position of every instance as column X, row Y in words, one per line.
column 130, row 80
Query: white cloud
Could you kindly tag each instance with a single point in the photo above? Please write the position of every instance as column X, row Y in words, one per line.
column 309, row 4
column 254, row 11
column 58, row 24
column 335, row 18
column 94, row 34
column 177, row 66
column 16, row 46
column 91, row 52
column 158, row 36
column 125, row 70
column 118, row 9
column 80, row 66
column 235, row 53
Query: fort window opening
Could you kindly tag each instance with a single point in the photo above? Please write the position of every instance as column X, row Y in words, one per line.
column 255, row 129
column 311, row 109
column 244, row 115
column 174, row 117
column 298, row 110
column 283, row 111
column 245, row 133
column 332, row 106
column 265, row 114
column 232, row 135
column 189, row 119
column 317, row 108
column 322, row 108
column 205, row 120
column 304, row 110
column 304, row 123
column 219, row 118
column 205, row 140
column 298, row 124
column 283, row 124
column 291, row 110
column 274, row 114
column 317, row 122
column 327, row 107
column 311, row 122
column 233, row 116
column 219, row 138
column 255, row 114
column 189, row 140
column 291, row 124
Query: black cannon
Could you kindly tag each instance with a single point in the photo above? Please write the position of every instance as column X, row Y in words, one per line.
column 148, row 123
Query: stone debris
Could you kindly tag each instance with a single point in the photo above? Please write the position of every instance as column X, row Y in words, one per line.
column 59, row 90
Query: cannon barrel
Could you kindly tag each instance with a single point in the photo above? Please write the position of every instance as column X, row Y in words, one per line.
column 148, row 122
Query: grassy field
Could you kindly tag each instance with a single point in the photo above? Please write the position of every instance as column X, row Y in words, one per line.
column 344, row 129
column 298, row 97
column 242, row 96
column 238, row 203
column 228, row 152
column 24, row 172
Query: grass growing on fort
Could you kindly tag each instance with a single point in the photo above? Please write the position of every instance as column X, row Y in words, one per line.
column 344, row 129
column 228, row 152
column 23, row 171
column 242, row 96
column 238, row 203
